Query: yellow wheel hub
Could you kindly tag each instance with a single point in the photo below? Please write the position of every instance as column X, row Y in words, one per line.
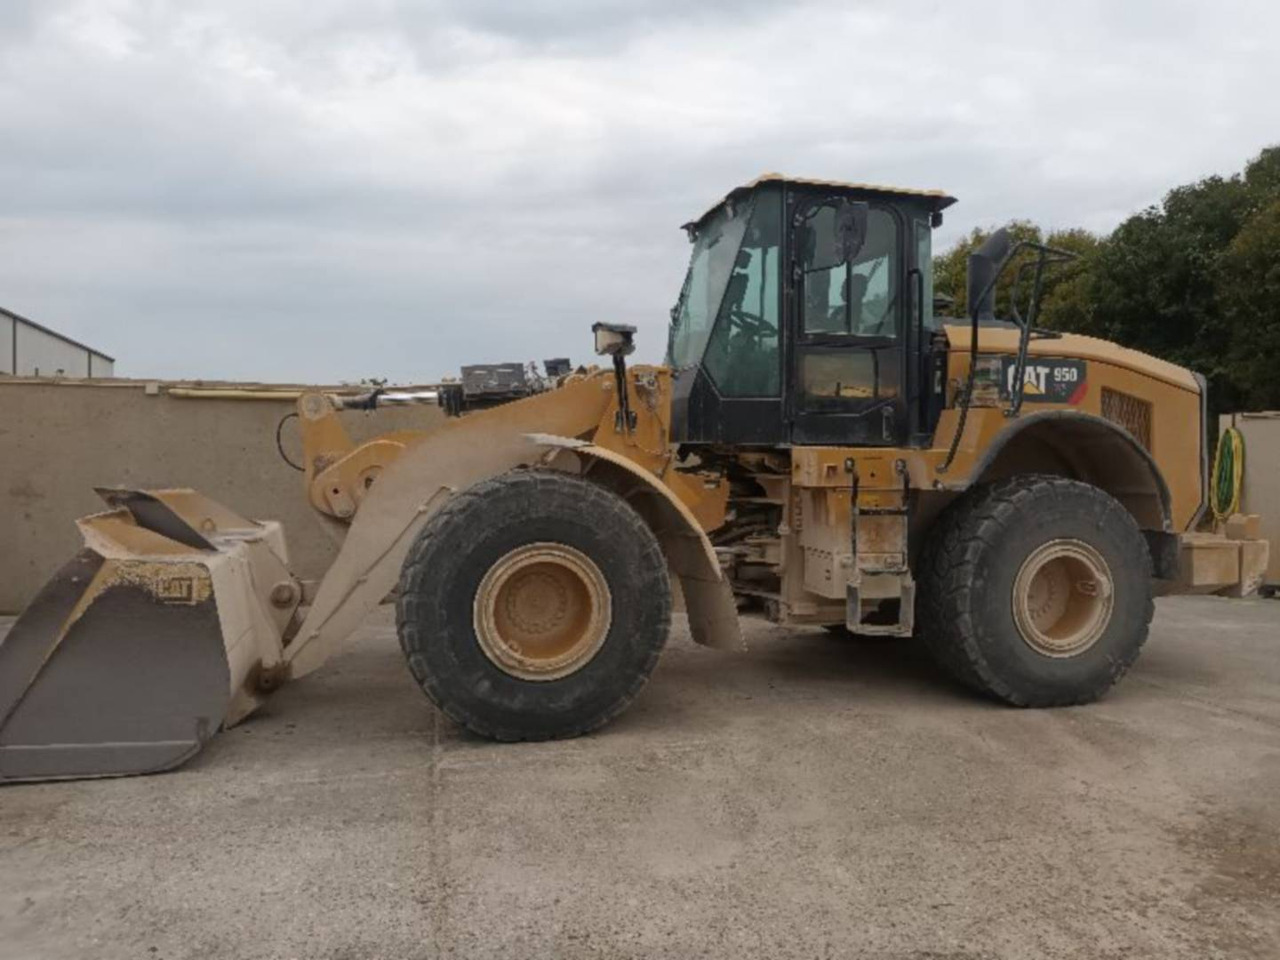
column 1063, row 598
column 542, row 611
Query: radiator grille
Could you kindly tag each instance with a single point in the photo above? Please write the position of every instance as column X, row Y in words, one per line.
column 1128, row 412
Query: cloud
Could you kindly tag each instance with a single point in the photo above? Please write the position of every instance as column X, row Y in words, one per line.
column 327, row 190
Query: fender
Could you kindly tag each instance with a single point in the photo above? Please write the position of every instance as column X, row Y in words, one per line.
column 708, row 595
column 1061, row 421
column 428, row 473
column 414, row 486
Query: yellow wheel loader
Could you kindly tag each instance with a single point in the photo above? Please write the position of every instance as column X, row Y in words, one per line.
column 818, row 449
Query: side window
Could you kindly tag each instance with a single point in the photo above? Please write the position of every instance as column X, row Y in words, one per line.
column 858, row 298
column 743, row 356
column 924, row 262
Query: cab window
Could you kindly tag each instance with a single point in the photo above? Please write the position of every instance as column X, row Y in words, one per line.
column 743, row 356
column 855, row 298
column 924, row 263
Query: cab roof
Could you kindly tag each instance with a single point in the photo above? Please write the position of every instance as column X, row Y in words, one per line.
column 937, row 199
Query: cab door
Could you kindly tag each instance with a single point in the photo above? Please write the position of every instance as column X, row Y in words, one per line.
column 846, row 302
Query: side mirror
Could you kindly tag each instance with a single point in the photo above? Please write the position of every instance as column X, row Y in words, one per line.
column 851, row 228
column 834, row 232
column 984, row 267
column 614, row 339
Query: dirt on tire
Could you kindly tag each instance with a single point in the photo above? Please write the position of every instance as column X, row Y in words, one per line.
column 459, row 544
column 966, row 575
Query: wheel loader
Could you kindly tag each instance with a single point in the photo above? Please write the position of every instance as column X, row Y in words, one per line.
column 818, row 449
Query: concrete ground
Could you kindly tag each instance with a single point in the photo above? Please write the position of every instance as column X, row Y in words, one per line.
column 816, row 797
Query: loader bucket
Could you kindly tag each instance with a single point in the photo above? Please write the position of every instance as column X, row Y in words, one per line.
column 162, row 630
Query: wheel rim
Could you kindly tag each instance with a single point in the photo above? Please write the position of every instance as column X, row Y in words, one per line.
column 542, row 611
column 1062, row 598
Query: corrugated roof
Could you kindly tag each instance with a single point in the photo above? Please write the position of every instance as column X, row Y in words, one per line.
column 941, row 198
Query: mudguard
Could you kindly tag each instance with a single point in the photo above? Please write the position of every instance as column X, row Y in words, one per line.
column 708, row 596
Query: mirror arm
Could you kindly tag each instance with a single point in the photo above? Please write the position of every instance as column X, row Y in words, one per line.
column 1048, row 256
column 1024, row 337
column 966, row 399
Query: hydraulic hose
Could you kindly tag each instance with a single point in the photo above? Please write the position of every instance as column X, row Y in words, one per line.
column 280, row 442
column 1228, row 474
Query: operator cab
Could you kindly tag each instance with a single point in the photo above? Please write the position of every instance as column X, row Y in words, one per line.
column 806, row 317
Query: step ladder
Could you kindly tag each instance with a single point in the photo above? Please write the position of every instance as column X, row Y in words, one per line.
column 880, row 597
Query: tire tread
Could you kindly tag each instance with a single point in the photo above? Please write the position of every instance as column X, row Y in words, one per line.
column 470, row 509
column 968, row 530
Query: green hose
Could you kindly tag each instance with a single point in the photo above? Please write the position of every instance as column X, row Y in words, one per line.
column 1228, row 474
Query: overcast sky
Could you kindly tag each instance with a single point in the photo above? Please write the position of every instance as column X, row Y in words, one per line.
column 326, row 190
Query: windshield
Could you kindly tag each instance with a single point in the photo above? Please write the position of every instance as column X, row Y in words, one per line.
column 715, row 250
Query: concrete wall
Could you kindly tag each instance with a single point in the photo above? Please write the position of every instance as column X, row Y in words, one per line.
column 59, row 439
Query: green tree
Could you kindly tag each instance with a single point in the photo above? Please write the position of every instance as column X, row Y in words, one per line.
column 1193, row 279
column 1064, row 304
column 1160, row 284
column 1262, row 176
column 1068, row 303
column 951, row 268
column 1250, row 301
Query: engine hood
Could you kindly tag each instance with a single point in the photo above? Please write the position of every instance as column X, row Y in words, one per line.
column 1004, row 339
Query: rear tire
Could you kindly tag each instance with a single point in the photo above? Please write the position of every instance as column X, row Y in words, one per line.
column 1036, row 590
column 533, row 606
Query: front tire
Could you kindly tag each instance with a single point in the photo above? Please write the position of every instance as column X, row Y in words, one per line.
column 1036, row 590
column 533, row 606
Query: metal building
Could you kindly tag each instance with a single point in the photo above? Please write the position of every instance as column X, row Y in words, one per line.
column 28, row 349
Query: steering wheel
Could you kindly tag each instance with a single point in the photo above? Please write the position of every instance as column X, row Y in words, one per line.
column 749, row 324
